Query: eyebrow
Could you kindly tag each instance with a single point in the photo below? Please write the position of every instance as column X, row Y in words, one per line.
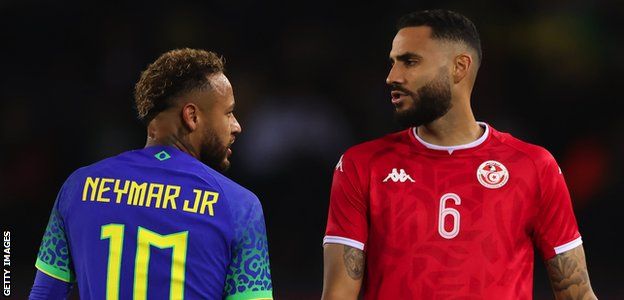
column 406, row 56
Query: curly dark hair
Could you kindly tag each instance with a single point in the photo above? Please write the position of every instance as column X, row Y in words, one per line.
column 445, row 25
column 173, row 74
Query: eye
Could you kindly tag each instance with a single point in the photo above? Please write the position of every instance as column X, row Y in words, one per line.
column 411, row 62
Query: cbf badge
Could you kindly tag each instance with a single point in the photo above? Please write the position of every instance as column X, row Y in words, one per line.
column 492, row 174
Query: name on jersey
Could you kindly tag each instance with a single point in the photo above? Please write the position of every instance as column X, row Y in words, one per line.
column 147, row 194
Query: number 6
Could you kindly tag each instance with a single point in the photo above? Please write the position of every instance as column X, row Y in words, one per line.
column 444, row 212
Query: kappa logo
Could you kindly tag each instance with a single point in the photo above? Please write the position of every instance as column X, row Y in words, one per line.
column 339, row 164
column 398, row 176
column 492, row 174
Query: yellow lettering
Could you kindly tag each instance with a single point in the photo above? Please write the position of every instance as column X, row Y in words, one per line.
column 157, row 195
column 90, row 184
column 103, row 188
column 208, row 203
column 136, row 196
column 145, row 194
column 169, row 197
column 195, row 204
column 120, row 192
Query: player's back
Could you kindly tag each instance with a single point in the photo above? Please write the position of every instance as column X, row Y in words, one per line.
column 156, row 223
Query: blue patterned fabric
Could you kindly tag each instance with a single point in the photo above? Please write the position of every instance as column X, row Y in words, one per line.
column 249, row 270
column 53, row 258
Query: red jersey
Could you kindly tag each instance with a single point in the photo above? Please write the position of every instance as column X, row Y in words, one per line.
column 450, row 222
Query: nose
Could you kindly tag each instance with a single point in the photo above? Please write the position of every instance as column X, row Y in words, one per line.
column 395, row 76
column 236, row 127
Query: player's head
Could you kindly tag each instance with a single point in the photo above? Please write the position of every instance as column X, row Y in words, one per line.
column 435, row 56
column 185, row 98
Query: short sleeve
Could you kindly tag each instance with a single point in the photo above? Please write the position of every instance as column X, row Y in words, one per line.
column 347, row 221
column 556, row 229
column 53, row 258
column 249, row 274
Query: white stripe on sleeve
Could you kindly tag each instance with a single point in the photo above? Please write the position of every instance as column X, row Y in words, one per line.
column 330, row 239
column 568, row 246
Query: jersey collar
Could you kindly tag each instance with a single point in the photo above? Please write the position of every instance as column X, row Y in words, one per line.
column 451, row 149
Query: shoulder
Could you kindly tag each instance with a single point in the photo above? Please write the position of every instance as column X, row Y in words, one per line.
column 78, row 176
column 74, row 183
column 103, row 165
column 109, row 165
column 232, row 189
column 243, row 205
column 370, row 149
column 240, row 201
column 538, row 155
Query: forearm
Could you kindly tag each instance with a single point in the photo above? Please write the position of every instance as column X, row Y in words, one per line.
column 568, row 275
column 46, row 287
column 343, row 272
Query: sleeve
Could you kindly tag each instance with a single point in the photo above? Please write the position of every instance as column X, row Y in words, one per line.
column 556, row 229
column 347, row 221
column 46, row 287
column 249, row 274
column 54, row 258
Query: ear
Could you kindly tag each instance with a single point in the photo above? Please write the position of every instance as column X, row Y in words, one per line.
column 461, row 67
column 190, row 116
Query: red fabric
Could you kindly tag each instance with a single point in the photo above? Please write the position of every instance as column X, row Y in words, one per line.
column 491, row 257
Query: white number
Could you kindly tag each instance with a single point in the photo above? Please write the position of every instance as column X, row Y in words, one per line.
column 451, row 212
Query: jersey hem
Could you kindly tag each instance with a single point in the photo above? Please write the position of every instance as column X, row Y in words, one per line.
column 331, row 239
column 53, row 272
column 568, row 246
column 257, row 295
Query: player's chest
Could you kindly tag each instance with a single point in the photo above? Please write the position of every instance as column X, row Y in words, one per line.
column 481, row 191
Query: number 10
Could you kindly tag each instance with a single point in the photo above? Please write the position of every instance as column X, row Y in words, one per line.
column 145, row 239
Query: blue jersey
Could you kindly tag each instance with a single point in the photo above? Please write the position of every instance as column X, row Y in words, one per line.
column 156, row 223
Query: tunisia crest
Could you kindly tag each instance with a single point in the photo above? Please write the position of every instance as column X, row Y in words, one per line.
column 492, row 174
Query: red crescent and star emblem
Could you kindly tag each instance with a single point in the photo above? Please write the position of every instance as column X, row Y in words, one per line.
column 492, row 174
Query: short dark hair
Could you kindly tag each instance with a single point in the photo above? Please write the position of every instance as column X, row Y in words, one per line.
column 445, row 25
column 174, row 73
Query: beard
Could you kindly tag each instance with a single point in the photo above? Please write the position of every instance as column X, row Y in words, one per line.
column 214, row 152
column 430, row 102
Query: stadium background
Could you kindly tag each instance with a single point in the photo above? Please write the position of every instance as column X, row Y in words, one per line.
column 309, row 82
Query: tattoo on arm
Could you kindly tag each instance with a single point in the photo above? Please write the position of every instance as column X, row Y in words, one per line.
column 568, row 275
column 354, row 262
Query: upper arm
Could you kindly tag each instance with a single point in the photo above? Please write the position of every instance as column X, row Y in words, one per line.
column 55, row 274
column 343, row 270
column 555, row 228
column 249, row 274
column 54, row 258
column 347, row 221
column 346, row 234
column 568, row 275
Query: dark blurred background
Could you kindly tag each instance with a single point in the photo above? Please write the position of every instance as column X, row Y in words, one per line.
column 309, row 82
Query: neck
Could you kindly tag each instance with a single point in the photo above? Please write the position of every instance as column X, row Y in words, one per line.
column 457, row 127
column 160, row 135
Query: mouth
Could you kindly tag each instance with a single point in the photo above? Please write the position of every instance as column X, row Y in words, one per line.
column 229, row 147
column 397, row 96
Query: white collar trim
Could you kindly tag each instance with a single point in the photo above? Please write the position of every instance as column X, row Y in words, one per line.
column 450, row 149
